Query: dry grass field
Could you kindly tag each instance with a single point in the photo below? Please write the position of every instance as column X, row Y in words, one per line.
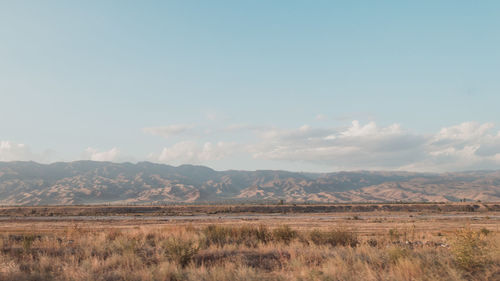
column 345, row 245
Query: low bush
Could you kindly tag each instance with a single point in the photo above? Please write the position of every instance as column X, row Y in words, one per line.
column 180, row 251
column 284, row 234
column 484, row 231
column 396, row 253
column 469, row 249
column 249, row 236
column 28, row 242
column 336, row 237
column 216, row 235
column 394, row 234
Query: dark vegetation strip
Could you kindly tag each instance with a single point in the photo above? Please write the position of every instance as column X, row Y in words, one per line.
column 235, row 209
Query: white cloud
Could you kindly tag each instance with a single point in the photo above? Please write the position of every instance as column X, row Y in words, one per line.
column 189, row 152
column 468, row 131
column 11, row 151
column 465, row 146
column 356, row 130
column 95, row 155
column 168, row 131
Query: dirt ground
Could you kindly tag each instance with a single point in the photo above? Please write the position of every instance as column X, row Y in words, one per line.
column 364, row 223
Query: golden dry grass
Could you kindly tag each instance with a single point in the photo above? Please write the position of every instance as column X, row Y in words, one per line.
column 379, row 245
column 252, row 251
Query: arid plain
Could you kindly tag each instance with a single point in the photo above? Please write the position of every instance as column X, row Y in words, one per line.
column 431, row 241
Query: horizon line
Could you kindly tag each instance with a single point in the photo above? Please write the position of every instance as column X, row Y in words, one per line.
column 243, row 170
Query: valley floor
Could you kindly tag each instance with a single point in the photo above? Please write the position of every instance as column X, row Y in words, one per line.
column 377, row 245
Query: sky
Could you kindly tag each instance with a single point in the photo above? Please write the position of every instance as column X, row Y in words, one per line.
column 314, row 86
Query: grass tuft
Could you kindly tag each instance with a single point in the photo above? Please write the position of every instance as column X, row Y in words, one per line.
column 181, row 251
column 336, row 237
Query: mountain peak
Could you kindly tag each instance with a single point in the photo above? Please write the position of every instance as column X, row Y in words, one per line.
column 85, row 182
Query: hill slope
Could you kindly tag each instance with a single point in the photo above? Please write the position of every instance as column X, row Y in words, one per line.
column 88, row 182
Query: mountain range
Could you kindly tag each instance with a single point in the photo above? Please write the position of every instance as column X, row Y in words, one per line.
column 90, row 182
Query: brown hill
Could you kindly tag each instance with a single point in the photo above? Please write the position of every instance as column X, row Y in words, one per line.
column 88, row 182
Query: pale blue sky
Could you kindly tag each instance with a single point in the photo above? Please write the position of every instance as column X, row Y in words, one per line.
column 250, row 84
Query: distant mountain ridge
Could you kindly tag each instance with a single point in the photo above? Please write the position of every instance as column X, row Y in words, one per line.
column 89, row 182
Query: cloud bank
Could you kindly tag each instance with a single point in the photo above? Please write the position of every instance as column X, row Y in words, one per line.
column 466, row 146
column 190, row 152
column 12, row 151
column 107, row 155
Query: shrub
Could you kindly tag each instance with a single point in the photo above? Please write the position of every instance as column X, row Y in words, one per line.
column 263, row 234
column 247, row 235
column 251, row 236
column 180, row 251
column 394, row 234
column 372, row 242
column 469, row 249
column 284, row 234
column 334, row 238
column 484, row 231
column 113, row 234
column 27, row 242
column 215, row 234
column 396, row 253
